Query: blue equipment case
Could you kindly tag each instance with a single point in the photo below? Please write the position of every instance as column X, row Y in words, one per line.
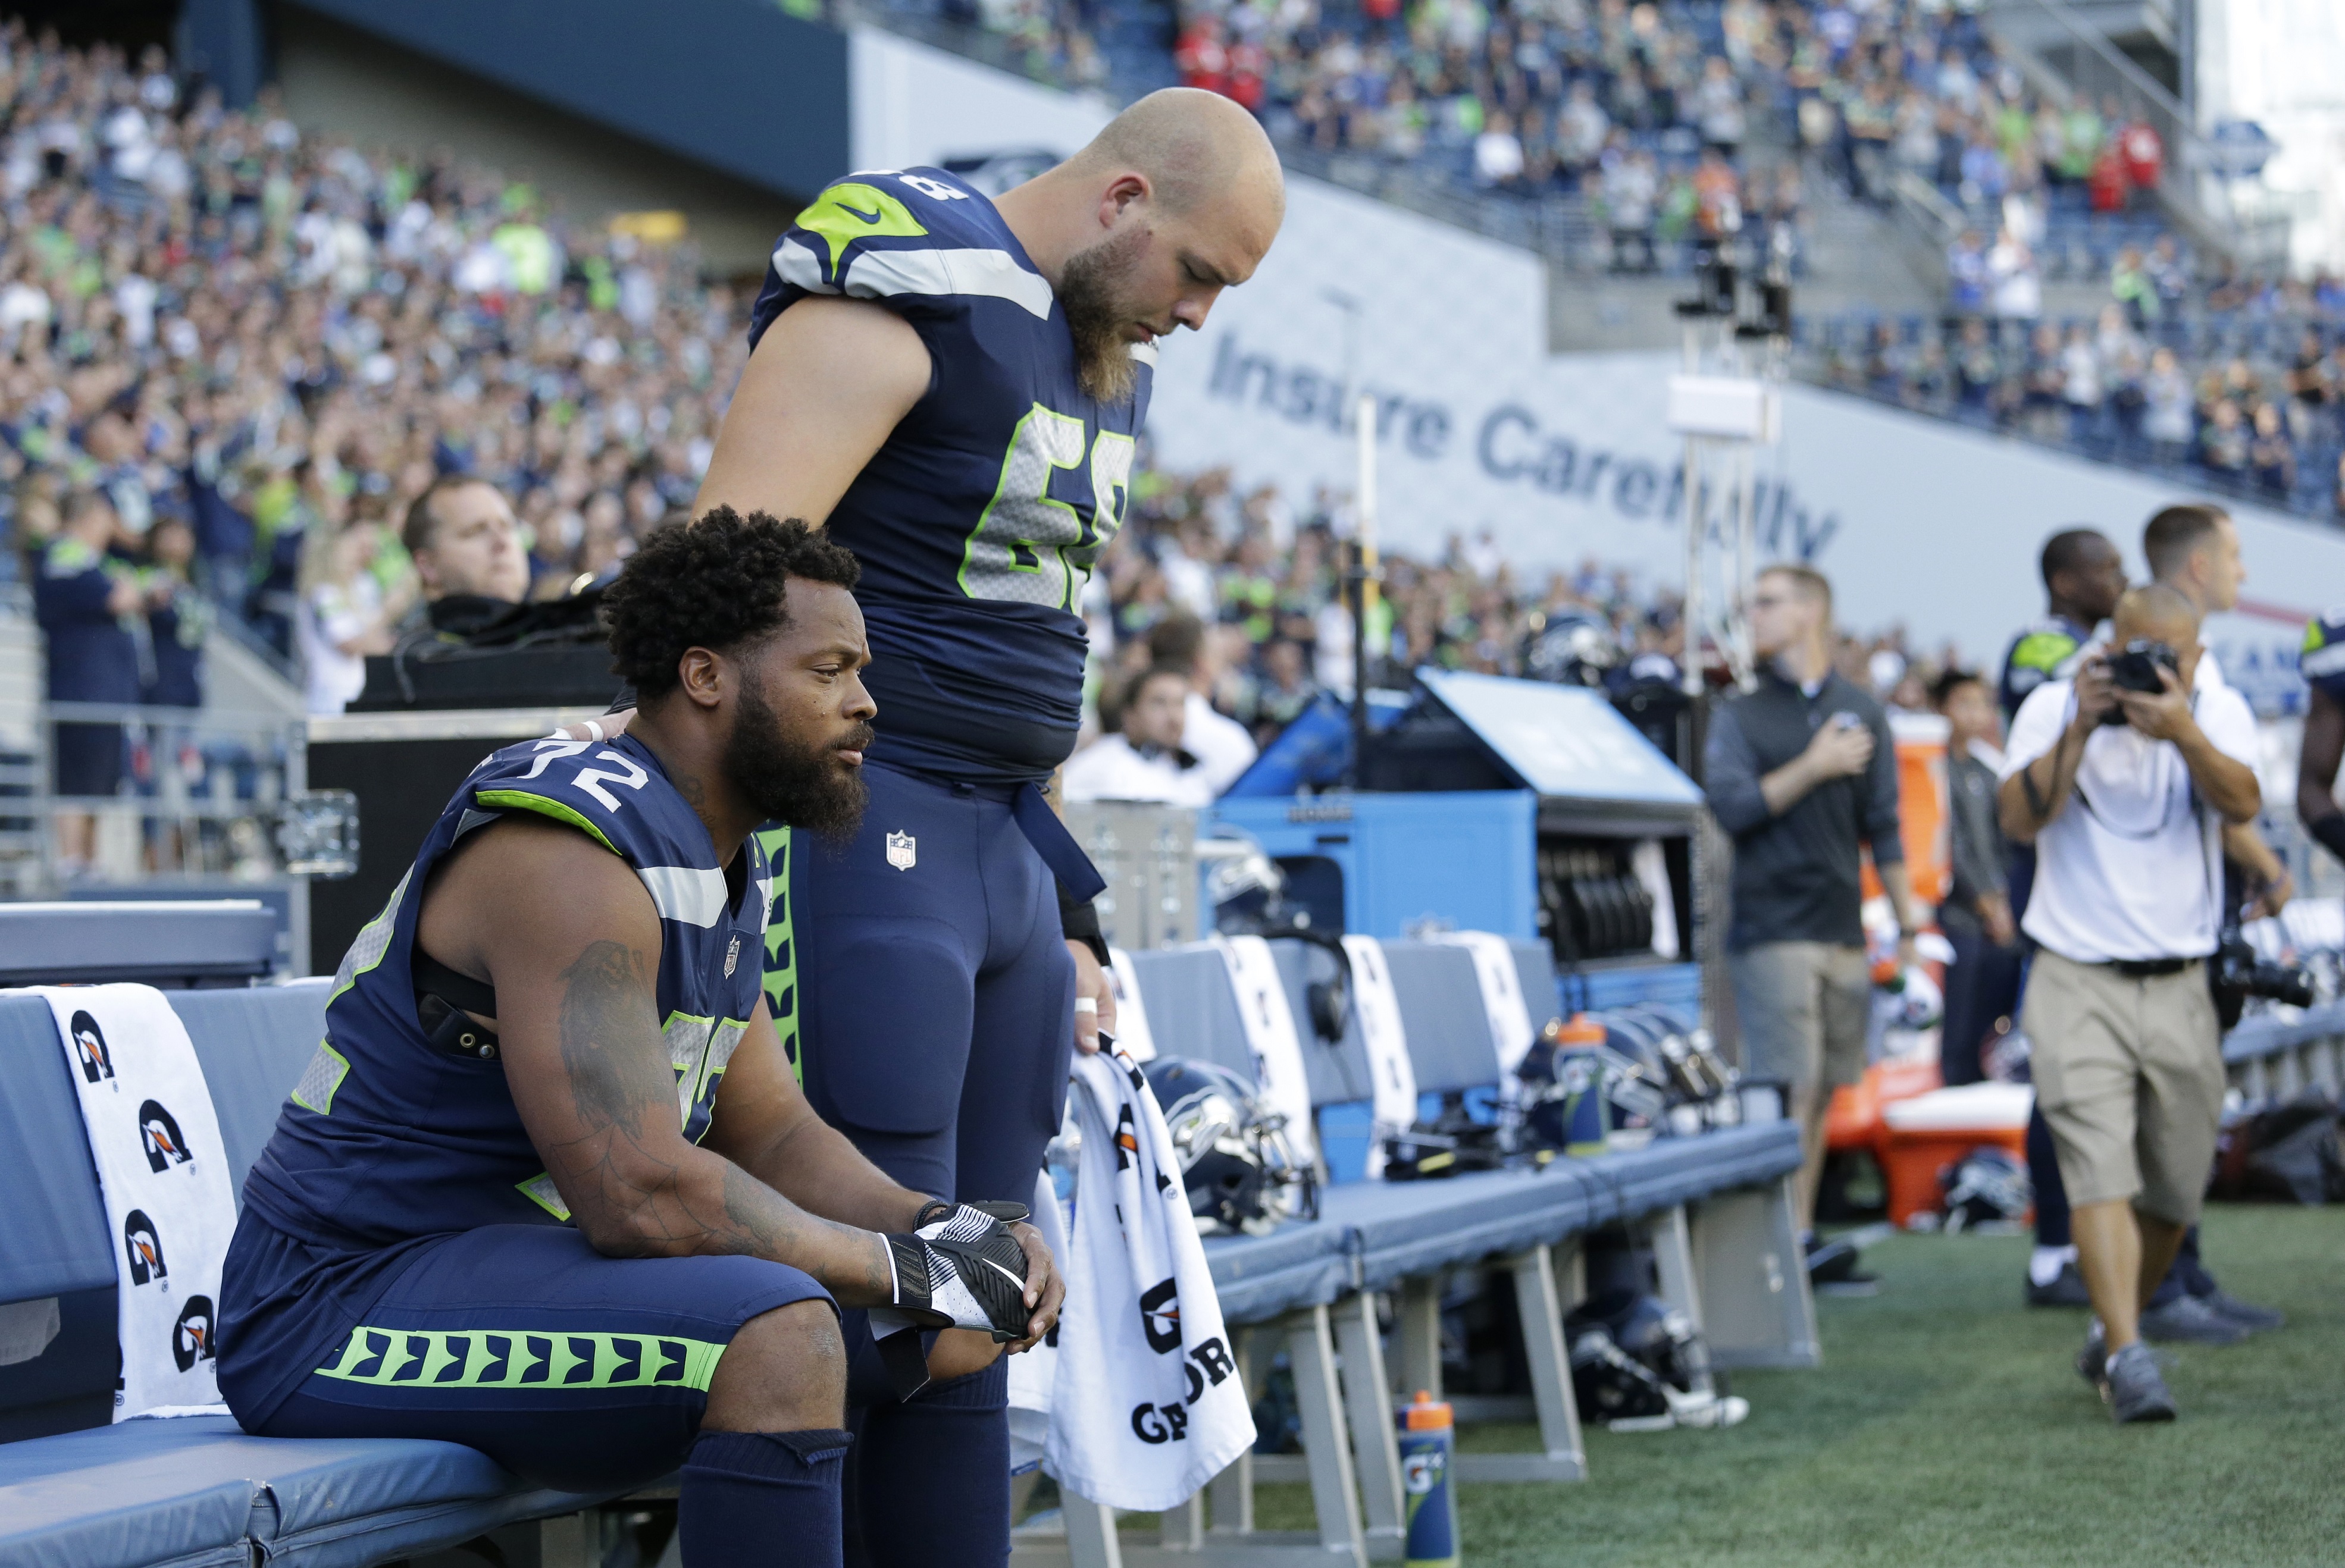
column 1499, row 805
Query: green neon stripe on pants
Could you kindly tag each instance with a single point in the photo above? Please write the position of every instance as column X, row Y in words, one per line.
column 523, row 1358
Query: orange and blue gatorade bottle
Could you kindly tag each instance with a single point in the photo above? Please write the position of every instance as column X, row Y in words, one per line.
column 1427, row 1434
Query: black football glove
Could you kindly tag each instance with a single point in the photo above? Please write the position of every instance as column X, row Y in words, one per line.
column 962, row 1269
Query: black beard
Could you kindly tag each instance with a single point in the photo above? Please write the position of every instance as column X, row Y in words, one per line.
column 789, row 781
column 1089, row 289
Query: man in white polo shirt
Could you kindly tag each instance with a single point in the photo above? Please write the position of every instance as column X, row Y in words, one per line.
column 2125, row 794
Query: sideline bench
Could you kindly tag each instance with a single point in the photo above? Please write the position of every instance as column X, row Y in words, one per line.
column 195, row 1492
column 1716, row 1208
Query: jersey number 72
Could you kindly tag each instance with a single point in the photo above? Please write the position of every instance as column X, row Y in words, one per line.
column 1030, row 547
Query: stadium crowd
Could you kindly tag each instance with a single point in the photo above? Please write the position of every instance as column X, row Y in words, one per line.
column 232, row 356
column 1641, row 111
column 2233, row 386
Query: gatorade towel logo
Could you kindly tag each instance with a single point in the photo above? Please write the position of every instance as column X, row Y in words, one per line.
column 1207, row 1366
column 191, row 1336
column 160, row 1131
column 1127, row 1139
column 89, row 1045
column 1160, row 1316
column 142, row 1249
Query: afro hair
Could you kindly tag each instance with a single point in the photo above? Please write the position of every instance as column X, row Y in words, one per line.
column 718, row 582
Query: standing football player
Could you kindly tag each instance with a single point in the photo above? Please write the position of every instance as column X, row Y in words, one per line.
column 953, row 386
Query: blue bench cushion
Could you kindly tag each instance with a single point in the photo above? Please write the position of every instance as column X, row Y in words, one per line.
column 1371, row 1235
column 57, row 1239
column 147, row 1491
column 1411, row 1227
column 1300, row 1264
column 192, row 1493
column 344, row 1503
column 1672, row 1170
column 253, row 1045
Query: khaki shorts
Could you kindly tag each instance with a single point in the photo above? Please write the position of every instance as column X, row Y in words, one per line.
column 1802, row 1007
column 2129, row 1076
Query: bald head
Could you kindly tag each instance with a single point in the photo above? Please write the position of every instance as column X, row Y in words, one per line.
column 1195, row 148
column 1178, row 198
column 2159, row 615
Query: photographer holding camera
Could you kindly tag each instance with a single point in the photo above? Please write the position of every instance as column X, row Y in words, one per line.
column 2123, row 777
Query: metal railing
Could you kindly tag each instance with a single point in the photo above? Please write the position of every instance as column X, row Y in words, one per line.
column 2201, row 202
column 198, row 799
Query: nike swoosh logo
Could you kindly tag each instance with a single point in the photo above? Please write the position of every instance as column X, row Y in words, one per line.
column 1020, row 1285
column 866, row 217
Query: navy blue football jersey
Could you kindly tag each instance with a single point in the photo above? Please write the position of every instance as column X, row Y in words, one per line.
column 2044, row 651
column 2323, row 660
column 387, row 1137
column 978, row 524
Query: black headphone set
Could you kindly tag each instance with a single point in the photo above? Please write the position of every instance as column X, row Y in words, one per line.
column 1329, row 1001
column 1591, row 902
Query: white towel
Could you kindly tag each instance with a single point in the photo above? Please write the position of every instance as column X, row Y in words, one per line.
column 1146, row 1404
column 1131, row 1031
column 1033, row 1374
column 1512, row 1033
column 1392, row 1076
column 1269, row 1025
column 164, row 1175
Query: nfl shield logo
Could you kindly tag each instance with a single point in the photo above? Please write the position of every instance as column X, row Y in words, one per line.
column 732, row 957
column 903, row 851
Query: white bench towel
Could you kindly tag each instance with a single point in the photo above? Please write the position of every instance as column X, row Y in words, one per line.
column 169, row 1207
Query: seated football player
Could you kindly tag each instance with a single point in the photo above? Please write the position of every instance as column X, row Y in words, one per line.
column 549, row 1187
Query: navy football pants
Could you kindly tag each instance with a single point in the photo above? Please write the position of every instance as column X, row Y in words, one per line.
column 936, row 1001
column 570, row 1368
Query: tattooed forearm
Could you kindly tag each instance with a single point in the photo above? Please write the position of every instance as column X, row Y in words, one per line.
column 606, row 1002
column 636, row 1187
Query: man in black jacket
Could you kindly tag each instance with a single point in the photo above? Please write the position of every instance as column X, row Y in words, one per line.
column 1801, row 771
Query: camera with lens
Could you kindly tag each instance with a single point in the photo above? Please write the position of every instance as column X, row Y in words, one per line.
column 2240, row 974
column 2135, row 667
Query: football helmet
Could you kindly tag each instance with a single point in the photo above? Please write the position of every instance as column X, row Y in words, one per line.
column 1239, row 1168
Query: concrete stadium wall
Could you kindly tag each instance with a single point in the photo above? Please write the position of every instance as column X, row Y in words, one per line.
column 341, row 81
column 910, row 104
column 734, row 85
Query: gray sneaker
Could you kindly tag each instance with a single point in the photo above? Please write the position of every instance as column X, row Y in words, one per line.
column 2131, row 1384
column 2231, row 1309
column 2189, row 1320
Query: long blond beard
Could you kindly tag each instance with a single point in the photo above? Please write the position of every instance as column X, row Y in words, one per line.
column 1090, row 291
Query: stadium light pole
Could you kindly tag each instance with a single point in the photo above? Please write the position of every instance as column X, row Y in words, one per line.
column 1363, row 549
column 1362, row 578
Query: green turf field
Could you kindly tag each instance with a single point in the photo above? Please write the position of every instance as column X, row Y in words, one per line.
column 1947, row 1428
